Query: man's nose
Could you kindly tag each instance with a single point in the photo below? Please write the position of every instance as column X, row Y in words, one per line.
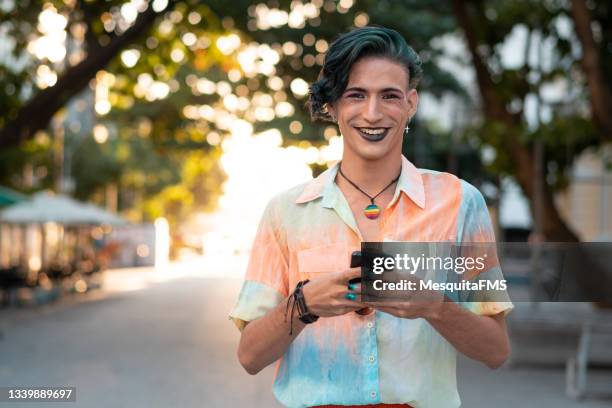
column 373, row 110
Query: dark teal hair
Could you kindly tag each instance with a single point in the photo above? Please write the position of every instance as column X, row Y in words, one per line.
column 346, row 50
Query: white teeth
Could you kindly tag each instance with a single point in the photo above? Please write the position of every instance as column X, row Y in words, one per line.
column 377, row 131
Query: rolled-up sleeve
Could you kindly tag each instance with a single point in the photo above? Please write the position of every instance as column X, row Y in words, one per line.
column 266, row 279
column 475, row 227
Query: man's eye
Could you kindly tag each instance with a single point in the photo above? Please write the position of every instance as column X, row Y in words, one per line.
column 390, row 96
column 355, row 95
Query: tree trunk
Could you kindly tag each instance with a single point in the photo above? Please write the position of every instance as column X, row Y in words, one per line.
column 553, row 226
column 38, row 111
column 601, row 100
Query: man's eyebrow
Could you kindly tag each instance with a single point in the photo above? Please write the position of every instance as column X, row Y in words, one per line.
column 388, row 89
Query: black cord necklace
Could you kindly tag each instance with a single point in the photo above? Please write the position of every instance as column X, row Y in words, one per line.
column 372, row 211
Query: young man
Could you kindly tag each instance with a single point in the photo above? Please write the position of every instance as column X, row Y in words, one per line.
column 403, row 353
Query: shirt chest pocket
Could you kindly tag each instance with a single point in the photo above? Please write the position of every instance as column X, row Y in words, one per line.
column 324, row 259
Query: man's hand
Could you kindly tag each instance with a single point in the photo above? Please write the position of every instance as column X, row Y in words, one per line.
column 326, row 295
column 410, row 303
column 483, row 338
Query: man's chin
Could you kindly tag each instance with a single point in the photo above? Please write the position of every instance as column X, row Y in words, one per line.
column 374, row 153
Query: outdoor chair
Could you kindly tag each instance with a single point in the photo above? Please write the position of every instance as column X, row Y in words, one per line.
column 11, row 279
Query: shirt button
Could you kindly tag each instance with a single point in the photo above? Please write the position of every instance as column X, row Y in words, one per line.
column 373, row 394
column 370, row 325
column 372, row 358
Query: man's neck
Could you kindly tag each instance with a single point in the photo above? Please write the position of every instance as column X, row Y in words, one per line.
column 370, row 175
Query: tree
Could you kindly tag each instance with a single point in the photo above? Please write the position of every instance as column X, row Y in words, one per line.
column 21, row 124
column 97, row 32
column 182, row 52
column 503, row 93
column 593, row 63
column 195, row 72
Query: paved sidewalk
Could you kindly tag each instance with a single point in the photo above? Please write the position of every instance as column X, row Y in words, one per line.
column 169, row 344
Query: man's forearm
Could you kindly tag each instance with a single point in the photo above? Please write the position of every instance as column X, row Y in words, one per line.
column 265, row 340
column 483, row 338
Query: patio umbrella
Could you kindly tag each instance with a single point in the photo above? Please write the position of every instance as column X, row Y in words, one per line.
column 9, row 197
column 48, row 207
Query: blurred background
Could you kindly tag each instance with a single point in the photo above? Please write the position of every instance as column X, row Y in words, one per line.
column 140, row 141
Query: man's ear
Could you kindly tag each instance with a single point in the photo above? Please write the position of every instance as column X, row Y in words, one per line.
column 413, row 101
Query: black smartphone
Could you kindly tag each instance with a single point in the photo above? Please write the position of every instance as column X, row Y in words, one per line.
column 356, row 261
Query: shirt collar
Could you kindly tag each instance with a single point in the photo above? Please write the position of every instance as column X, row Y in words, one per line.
column 410, row 182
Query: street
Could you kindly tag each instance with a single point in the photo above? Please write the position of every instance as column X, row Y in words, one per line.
column 168, row 343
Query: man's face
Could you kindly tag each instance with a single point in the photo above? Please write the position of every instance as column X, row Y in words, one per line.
column 374, row 109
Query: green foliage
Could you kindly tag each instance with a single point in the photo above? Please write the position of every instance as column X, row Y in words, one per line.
column 550, row 59
column 35, row 155
column 166, row 163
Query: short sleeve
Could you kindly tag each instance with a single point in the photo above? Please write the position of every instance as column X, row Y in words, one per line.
column 266, row 279
column 474, row 226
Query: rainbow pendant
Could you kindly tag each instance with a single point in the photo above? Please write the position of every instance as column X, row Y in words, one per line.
column 372, row 211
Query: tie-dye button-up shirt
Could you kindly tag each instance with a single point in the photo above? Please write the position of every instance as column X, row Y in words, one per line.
column 352, row 359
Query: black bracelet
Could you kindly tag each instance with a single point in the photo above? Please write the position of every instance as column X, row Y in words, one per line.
column 298, row 299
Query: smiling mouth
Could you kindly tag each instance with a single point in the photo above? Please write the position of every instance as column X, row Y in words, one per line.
column 373, row 134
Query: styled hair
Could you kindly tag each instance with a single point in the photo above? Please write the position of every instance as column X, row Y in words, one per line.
column 346, row 50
